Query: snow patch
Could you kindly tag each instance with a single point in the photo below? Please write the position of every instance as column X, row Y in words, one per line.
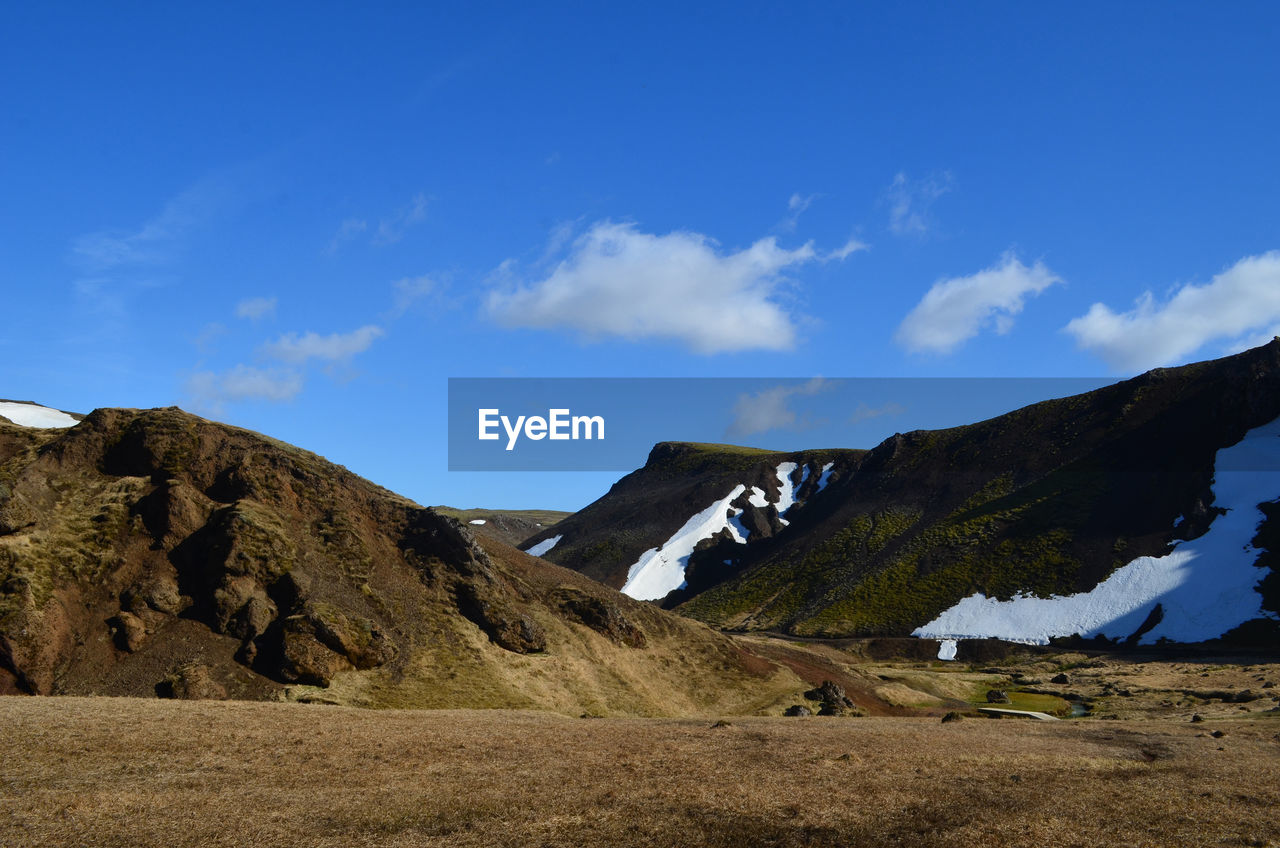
column 660, row 571
column 826, row 476
column 1204, row 587
column 786, row 490
column 543, row 546
column 476, row 521
column 32, row 415
column 758, row 497
column 947, row 649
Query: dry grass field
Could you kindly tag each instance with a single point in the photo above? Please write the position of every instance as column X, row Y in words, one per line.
column 119, row 771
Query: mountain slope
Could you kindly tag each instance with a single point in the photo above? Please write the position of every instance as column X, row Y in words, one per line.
column 1046, row 500
column 154, row 552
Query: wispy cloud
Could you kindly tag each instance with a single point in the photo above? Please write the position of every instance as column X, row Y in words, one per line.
column 616, row 281
column 157, row 238
column 867, row 413
column 256, row 308
column 795, row 208
column 392, row 229
column 1241, row 306
column 770, row 409
column 335, row 347
column 210, row 391
column 910, row 202
column 845, row 251
column 347, row 230
column 409, row 290
column 389, row 229
column 209, row 334
column 957, row 309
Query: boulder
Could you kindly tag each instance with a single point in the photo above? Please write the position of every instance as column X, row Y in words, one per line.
column 129, row 631
column 191, row 682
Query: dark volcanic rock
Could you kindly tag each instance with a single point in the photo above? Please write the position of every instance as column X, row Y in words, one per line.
column 797, row 710
column 997, row 696
column 506, row 627
column 304, row 657
column 604, row 617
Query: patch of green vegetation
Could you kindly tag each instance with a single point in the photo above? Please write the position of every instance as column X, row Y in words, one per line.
column 1018, row 700
column 778, row 594
column 1001, row 541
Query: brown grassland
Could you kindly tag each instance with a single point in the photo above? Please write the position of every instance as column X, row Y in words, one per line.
column 122, row 771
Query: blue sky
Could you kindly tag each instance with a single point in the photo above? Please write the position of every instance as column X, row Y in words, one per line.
column 304, row 218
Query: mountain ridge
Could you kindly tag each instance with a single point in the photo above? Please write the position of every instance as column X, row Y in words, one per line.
column 147, row 552
column 1047, row 499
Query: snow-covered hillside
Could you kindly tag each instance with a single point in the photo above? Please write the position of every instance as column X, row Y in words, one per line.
column 1204, row 587
column 34, row 415
column 661, row 570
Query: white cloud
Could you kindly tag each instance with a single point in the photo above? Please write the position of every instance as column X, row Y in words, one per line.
column 409, row 290
column 618, row 281
column 866, row 413
column 211, row 391
column 256, row 308
column 206, row 340
column 955, row 310
column 910, row 201
column 770, row 409
column 391, row 230
column 841, row 253
column 347, row 230
column 1235, row 306
column 796, row 206
column 334, row 347
column 156, row 239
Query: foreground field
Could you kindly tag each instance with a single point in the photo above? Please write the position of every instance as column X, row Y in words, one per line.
column 115, row 771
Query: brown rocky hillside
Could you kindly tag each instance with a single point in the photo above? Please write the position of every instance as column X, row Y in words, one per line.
column 155, row 552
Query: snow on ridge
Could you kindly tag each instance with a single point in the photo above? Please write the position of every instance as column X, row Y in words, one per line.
column 1205, row 587
column 660, row 570
column 826, row 476
column 786, row 490
column 543, row 546
column 34, row 415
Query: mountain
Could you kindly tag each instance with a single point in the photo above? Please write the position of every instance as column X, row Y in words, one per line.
column 1141, row 511
column 148, row 552
column 505, row 525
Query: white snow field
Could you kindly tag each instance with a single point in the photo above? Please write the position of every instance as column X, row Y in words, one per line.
column 1205, row 587
column 476, row 521
column 32, row 415
column 543, row 546
column 660, row 570
column 787, row 489
column 826, row 476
